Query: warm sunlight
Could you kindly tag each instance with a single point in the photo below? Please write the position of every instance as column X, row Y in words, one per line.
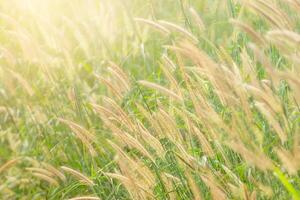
column 61, row 26
column 149, row 99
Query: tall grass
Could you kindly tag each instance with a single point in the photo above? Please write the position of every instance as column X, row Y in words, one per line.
column 149, row 100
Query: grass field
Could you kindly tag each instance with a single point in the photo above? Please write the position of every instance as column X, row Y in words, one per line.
column 133, row 99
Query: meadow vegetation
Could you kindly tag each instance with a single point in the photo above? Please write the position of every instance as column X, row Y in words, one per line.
column 173, row 99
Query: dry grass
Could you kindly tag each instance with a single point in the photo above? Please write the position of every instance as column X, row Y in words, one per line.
column 207, row 110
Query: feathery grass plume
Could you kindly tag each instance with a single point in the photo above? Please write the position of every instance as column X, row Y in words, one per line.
column 230, row 110
column 138, row 179
column 78, row 35
column 207, row 66
column 242, row 192
column 168, row 126
column 120, row 76
column 266, row 95
column 85, row 198
column 116, row 81
column 193, row 185
column 256, row 37
column 111, row 87
column 249, row 73
column 173, row 83
column 225, row 57
column 23, row 82
column 139, row 190
column 205, row 145
column 197, row 19
column 286, row 41
column 131, row 187
column 46, row 178
column 232, row 175
column 253, row 157
column 273, row 122
column 286, row 35
column 40, row 171
column 215, row 189
column 153, row 121
column 147, row 137
column 179, row 29
column 270, row 11
column 132, row 142
column 161, row 89
column 289, row 160
column 139, row 170
column 54, row 171
column 153, row 24
column 295, row 4
column 248, row 195
column 9, row 164
column 82, row 178
column 168, row 62
column 112, row 109
column 275, row 75
column 85, row 136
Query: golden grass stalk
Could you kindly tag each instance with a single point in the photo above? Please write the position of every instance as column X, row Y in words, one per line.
column 113, row 89
column 82, row 178
column 150, row 139
column 181, row 30
column 271, row 12
column 118, row 177
column 273, row 122
column 8, row 164
column 153, row 24
column 193, row 186
column 168, row 126
column 117, row 79
column 119, row 70
column 113, row 112
column 131, row 141
column 197, row 19
column 173, row 83
column 169, row 63
column 256, row 37
column 55, row 171
column 46, row 178
column 284, row 34
column 40, row 171
column 134, row 186
column 131, row 187
column 288, row 160
column 205, row 145
column 286, row 41
column 78, row 130
column 138, row 174
column 23, row 82
column 121, row 81
column 294, row 4
column 216, row 191
column 85, row 136
column 256, row 158
column 160, row 89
